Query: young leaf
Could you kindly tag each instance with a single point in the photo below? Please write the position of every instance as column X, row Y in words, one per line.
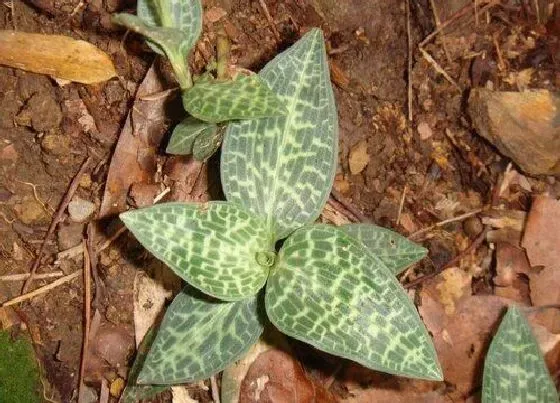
column 170, row 40
column 216, row 246
column 514, row 370
column 394, row 250
column 184, row 15
column 246, row 97
column 185, row 133
column 199, row 337
column 206, row 144
column 326, row 291
column 282, row 168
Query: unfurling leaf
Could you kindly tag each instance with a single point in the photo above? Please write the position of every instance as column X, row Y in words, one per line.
column 185, row 134
column 170, row 40
column 514, row 370
column 184, row 15
column 394, row 250
column 246, row 97
column 215, row 247
column 325, row 291
column 199, row 337
column 56, row 55
column 283, row 168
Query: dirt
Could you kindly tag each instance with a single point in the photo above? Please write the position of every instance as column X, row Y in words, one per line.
column 435, row 163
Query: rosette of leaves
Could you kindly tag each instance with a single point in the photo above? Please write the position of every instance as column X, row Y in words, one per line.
column 172, row 28
column 515, row 370
column 332, row 287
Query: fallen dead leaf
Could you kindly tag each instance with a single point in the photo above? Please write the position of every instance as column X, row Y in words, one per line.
column 453, row 284
column 511, row 266
column 56, row 55
column 214, row 14
column 359, row 157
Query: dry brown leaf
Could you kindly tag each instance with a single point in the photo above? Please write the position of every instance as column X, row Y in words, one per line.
column 511, row 265
column 453, row 284
column 541, row 238
column 276, row 377
column 56, row 55
column 359, row 157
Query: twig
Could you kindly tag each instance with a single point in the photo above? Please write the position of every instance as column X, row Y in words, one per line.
column 74, row 251
column 438, row 68
column 215, row 390
column 401, row 204
column 42, row 290
column 24, row 276
column 87, row 315
column 92, row 252
column 348, row 206
column 444, row 222
column 472, row 247
column 55, row 220
column 438, row 23
column 270, row 20
column 409, row 61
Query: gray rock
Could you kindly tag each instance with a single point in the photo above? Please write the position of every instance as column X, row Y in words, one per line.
column 524, row 126
column 80, row 210
column 69, row 235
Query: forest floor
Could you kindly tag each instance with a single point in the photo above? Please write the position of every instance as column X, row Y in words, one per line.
column 410, row 159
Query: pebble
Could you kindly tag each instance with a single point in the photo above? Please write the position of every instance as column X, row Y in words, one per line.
column 80, row 210
column 55, row 144
column 30, row 212
column 69, row 235
column 472, row 226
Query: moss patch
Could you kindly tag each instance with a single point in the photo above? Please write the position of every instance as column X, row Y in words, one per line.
column 19, row 372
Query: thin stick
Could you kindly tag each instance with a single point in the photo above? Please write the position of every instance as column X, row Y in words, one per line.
column 348, row 206
column 401, row 204
column 215, row 390
column 270, row 20
column 409, row 61
column 444, row 222
column 75, row 250
column 438, row 68
column 55, row 220
column 24, row 276
column 438, row 23
column 42, row 290
column 87, row 315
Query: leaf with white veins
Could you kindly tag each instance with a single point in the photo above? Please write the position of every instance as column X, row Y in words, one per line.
column 216, row 247
column 283, row 168
column 184, row 15
column 185, row 134
column 394, row 250
column 325, row 291
column 245, row 97
column 514, row 370
column 199, row 337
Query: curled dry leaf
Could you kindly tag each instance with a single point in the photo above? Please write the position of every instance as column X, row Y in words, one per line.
column 56, row 55
column 359, row 157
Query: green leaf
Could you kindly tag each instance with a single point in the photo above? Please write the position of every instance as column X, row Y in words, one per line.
column 283, row 168
column 514, row 370
column 207, row 143
column 185, row 133
column 327, row 292
column 184, row 15
column 394, row 250
column 170, row 40
column 199, row 337
column 246, row 97
column 214, row 246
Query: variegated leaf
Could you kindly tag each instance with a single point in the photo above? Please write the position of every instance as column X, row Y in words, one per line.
column 216, row 247
column 170, row 40
column 199, row 337
column 185, row 133
column 326, row 291
column 207, row 143
column 184, row 15
column 514, row 370
column 283, row 168
column 246, row 97
column 394, row 250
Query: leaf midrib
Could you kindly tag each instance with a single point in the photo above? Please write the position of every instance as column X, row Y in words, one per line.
column 270, row 222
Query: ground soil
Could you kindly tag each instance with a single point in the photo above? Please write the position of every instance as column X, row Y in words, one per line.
column 43, row 143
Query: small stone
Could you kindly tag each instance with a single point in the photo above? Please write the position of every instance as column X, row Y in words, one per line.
column 359, row 157
column 89, row 395
column 80, row 210
column 55, row 144
column 117, row 387
column 424, row 131
column 30, row 212
column 8, row 155
column 522, row 125
column 69, row 235
column 473, row 226
column 85, row 181
column 17, row 252
column 42, row 112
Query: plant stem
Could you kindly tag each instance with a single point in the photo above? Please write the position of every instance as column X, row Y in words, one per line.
column 181, row 69
column 223, row 48
column 164, row 13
